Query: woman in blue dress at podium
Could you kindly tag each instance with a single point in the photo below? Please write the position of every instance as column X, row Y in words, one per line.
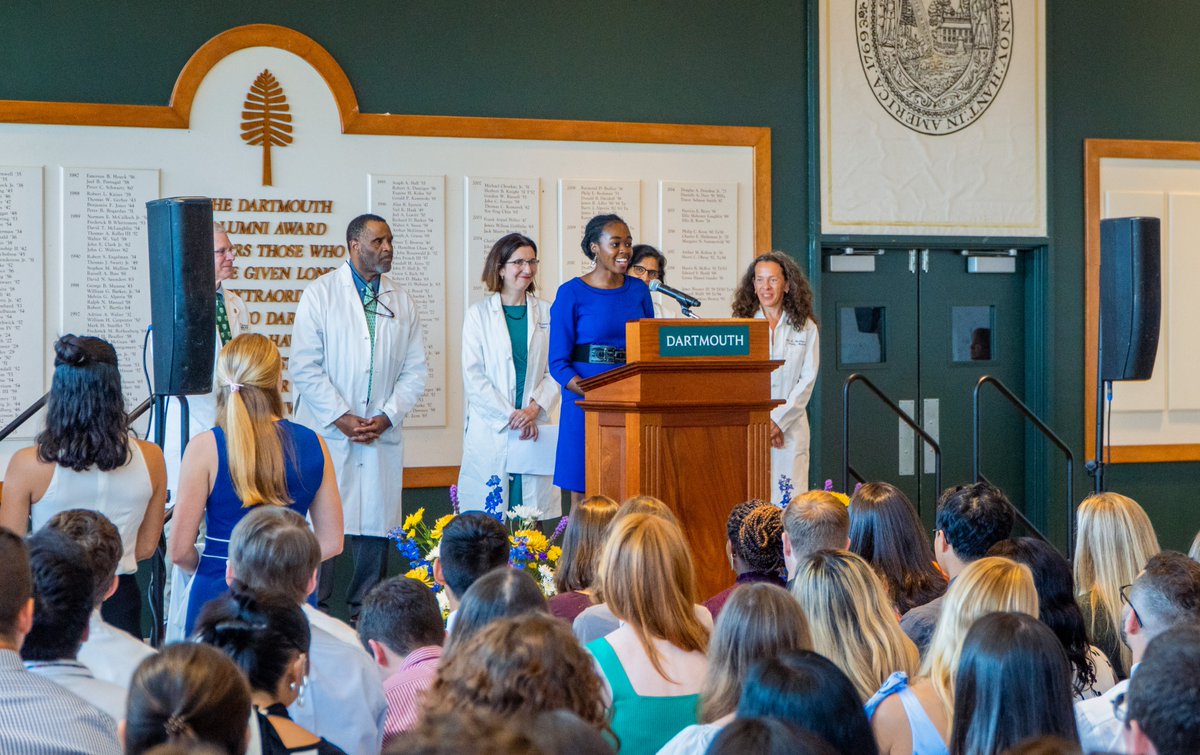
column 587, row 334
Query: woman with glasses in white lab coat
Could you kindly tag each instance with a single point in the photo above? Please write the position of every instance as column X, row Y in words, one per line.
column 774, row 288
column 506, row 381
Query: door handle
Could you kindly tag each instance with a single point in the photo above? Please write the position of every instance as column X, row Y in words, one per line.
column 907, row 441
column 930, row 423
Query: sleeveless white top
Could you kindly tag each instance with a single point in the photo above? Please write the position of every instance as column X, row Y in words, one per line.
column 122, row 495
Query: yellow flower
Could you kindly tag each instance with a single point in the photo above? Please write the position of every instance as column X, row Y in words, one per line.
column 440, row 525
column 413, row 519
column 554, row 553
column 410, row 534
column 535, row 540
column 421, row 574
column 845, row 499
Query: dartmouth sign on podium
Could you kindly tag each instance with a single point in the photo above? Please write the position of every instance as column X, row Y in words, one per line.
column 705, row 341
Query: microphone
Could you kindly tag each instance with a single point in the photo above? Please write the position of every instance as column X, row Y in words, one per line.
column 679, row 296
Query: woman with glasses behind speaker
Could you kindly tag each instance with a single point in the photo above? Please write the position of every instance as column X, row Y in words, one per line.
column 506, row 380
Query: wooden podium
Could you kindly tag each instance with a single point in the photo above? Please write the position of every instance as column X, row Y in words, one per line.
column 686, row 420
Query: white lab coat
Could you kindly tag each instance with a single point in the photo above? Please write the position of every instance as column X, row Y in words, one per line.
column 330, row 367
column 793, row 383
column 489, row 387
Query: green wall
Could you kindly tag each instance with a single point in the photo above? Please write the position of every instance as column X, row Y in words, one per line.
column 1114, row 69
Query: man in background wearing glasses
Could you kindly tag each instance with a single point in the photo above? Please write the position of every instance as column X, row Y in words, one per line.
column 358, row 367
column 1166, row 594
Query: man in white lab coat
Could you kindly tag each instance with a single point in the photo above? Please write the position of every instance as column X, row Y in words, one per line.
column 358, row 367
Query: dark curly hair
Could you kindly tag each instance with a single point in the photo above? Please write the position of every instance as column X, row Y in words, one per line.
column 973, row 518
column 86, row 424
column 886, row 531
column 797, row 301
column 595, row 229
column 517, row 666
column 1057, row 608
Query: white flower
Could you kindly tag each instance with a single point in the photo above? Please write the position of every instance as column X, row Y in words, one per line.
column 443, row 600
column 525, row 513
column 547, row 575
column 434, row 552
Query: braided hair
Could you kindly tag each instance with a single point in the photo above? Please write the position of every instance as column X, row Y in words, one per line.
column 760, row 539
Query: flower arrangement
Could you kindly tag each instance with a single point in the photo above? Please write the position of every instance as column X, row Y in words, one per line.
column 786, row 488
column 529, row 549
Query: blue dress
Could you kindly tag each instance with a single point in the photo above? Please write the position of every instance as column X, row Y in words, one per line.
column 305, row 465
column 585, row 315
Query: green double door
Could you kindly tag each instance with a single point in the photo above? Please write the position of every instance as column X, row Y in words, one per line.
column 923, row 326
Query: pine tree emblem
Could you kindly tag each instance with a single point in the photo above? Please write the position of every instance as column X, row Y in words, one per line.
column 266, row 120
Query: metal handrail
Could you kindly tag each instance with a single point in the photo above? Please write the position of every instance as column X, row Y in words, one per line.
column 24, row 416
column 36, row 406
column 848, row 468
column 1046, row 432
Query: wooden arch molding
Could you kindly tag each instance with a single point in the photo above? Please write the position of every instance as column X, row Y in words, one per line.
column 177, row 115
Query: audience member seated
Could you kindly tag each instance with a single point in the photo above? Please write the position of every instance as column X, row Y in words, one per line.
column 185, row 695
column 814, row 521
column 252, row 458
column 852, row 620
column 62, row 589
column 84, row 458
column 1045, row 746
column 655, row 663
column 1013, row 683
column 1162, row 702
column 37, row 715
column 914, row 717
column 1091, row 673
column 499, row 594
column 970, row 520
column 401, row 624
column 806, row 689
column 587, row 528
column 754, row 547
column 769, row 736
column 275, row 554
column 887, row 532
column 760, row 621
column 562, row 732
column 269, row 642
column 519, row 666
column 598, row 620
column 1166, row 594
column 1114, row 541
column 471, row 731
column 472, row 545
column 111, row 654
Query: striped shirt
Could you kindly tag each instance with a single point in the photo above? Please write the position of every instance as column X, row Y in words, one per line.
column 38, row 717
column 405, row 688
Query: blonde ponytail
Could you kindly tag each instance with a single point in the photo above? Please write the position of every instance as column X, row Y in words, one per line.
column 248, row 405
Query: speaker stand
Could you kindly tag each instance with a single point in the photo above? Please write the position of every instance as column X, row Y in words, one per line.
column 156, row 591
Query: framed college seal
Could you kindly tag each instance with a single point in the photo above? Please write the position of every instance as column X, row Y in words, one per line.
column 934, row 65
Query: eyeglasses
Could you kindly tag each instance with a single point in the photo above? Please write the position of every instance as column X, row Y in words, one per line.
column 651, row 274
column 1125, row 599
column 531, row 264
column 372, row 303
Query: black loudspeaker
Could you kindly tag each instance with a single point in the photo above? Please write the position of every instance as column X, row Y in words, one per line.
column 1130, row 296
column 182, row 294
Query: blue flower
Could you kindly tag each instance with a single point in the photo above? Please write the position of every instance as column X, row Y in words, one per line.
column 786, row 488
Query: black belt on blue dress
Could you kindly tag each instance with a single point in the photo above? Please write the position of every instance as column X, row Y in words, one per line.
column 594, row 353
